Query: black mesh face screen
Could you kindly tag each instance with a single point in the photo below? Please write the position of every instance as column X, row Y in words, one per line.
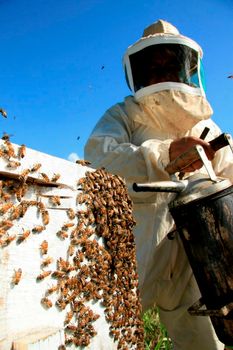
column 162, row 63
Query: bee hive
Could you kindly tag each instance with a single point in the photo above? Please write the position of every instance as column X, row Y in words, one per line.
column 67, row 256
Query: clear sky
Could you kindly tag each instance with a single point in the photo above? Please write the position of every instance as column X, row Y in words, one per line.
column 61, row 62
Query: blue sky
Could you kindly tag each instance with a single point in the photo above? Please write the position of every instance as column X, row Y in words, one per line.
column 61, row 62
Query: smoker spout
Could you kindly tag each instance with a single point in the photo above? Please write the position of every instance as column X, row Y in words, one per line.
column 161, row 186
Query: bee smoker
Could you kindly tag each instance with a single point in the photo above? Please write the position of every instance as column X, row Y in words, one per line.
column 203, row 214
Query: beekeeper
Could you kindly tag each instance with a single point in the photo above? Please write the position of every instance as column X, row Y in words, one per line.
column 136, row 139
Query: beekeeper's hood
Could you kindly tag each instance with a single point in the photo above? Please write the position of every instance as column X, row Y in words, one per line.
column 163, row 59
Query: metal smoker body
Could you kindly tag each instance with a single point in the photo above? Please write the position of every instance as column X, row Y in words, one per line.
column 203, row 214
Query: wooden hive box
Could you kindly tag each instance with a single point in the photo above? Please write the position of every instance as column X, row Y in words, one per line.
column 67, row 256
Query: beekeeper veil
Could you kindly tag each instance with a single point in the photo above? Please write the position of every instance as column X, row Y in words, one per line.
column 165, row 68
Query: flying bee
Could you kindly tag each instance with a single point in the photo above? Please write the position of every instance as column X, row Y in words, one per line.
column 13, row 164
column 43, row 275
column 5, row 136
column 55, row 177
column 22, row 151
column 38, row 229
column 17, row 276
column 45, row 177
column 46, row 262
column 23, row 236
column 3, row 113
column 55, row 200
column 35, row 167
column 44, row 247
column 46, row 302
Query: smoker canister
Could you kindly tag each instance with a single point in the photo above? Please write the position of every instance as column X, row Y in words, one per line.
column 203, row 214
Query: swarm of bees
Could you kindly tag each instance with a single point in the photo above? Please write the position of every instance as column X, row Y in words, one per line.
column 92, row 271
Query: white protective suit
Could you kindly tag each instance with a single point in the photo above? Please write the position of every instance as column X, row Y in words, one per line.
column 132, row 140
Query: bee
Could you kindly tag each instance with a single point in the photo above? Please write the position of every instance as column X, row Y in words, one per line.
column 46, row 262
column 8, row 240
column 43, row 275
column 5, row 196
column 62, row 234
column 44, row 247
column 51, row 290
column 45, row 217
column 23, row 176
column 23, row 208
column 71, row 250
column 23, row 236
column 3, row 113
column 10, row 152
column 67, row 225
column 5, row 136
column 6, row 225
column 58, row 274
column 55, row 200
column 35, row 167
column 55, row 177
column 17, row 276
column 64, row 265
column 83, row 162
column 22, row 151
column 13, row 164
column 5, row 207
column 68, row 341
column 71, row 328
column 21, row 190
column 61, row 303
column 68, row 317
column 46, row 302
column 45, row 177
column 38, row 229
column 71, row 213
column 61, row 347
column 16, row 212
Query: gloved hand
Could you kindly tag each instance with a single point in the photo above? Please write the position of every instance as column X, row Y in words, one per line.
column 182, row 145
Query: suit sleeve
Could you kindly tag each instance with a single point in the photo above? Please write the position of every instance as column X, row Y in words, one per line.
column 110, row 146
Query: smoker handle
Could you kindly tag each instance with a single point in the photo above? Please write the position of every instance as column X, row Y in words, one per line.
column 220, row 142
column 192, row 155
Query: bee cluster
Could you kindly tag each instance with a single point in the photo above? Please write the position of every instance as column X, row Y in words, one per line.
column 112, row 266
column 100, row 263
